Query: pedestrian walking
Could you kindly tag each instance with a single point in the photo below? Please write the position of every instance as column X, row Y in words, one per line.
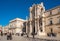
column 9, row 36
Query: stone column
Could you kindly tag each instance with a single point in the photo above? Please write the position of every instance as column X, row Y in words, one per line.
column 35, row 26
column 30, row 27
column 43, row 26
column 38, row 24
column 30, row 20
column 43, row 22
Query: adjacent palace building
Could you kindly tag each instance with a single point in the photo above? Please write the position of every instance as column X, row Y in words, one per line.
column 15, row 26
column 43, row 22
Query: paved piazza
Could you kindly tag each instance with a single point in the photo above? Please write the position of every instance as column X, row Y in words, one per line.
column 19, row 38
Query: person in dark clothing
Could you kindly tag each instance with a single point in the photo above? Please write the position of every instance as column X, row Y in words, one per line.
column 1, row 33
column 9, row 36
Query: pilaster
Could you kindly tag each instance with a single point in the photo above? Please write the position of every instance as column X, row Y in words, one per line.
column 30, row 27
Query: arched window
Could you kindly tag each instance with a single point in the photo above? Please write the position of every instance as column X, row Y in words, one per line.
column 58, row 19
column 50, row 12
column 51, row 22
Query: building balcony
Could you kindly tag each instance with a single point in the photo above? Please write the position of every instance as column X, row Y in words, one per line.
column 49, row 24
column 50, row 15
column 12, row 27
column 53, row 24
column 57, row 23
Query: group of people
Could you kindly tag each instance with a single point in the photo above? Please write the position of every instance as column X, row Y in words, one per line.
column 9, row 35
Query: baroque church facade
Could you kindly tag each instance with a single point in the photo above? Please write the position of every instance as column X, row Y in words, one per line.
column 42, row 22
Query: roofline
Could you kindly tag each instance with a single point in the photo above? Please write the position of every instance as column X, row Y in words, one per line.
column 16, row 18
column 52, row 8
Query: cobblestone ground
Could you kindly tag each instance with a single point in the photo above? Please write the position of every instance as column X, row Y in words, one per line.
column 19, row 38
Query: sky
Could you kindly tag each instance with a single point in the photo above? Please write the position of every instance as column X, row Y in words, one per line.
column 11, row 9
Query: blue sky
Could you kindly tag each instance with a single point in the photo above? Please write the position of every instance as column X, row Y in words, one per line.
column 10, row 9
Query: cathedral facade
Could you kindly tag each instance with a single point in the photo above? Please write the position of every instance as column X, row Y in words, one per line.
column 43, row 22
